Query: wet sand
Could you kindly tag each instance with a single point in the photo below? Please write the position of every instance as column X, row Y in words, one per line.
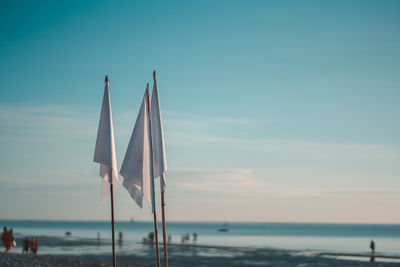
column 339, row 254
column 185, row 255
column 213, row 256
column 361, row 255
column 193, row 256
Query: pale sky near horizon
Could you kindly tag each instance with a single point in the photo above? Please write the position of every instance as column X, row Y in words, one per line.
column 278, row 111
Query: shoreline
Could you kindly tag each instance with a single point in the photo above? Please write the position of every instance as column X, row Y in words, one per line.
column 344, row 254
column 316, row 252
column 205, row 255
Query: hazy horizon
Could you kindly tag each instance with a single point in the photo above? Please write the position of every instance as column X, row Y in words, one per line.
column 213, row 222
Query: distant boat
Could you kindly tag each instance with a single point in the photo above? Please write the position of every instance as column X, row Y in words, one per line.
column 68, row 233
column 132, row 219
column 224, row 228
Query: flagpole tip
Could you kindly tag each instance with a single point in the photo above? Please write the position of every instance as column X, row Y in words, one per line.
column 106, row 79
column 154, row 75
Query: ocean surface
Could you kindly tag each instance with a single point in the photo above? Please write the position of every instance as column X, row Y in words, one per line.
column 305, row 238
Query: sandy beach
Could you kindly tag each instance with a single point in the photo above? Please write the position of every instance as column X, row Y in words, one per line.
column 211, row 256
column 23, row 260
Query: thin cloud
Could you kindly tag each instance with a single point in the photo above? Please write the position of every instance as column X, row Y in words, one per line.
column 240, row 185
column 292, row 147
column 183, row 120
column 26, row 122
column 44, row 122
column 42, row 188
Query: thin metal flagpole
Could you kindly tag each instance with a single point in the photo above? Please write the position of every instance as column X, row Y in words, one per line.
column 152, row 177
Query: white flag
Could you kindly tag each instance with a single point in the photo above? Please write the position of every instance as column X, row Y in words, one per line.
column 105, row 149
column 136, row 166
column 160, row 162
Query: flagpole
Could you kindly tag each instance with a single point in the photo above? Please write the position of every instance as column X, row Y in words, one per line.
column 162, row 205
column 112, row 224
column 163, row 225
column 112, row 206
column 152, row 178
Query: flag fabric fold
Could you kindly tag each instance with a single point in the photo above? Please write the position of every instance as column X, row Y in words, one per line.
column 105, row 148
column 136, row 166
column 145, row 156
column 159, row 159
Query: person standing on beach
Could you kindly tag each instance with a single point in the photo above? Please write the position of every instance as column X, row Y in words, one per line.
column 34, row 245
column 25, row 245
column 169, row 239
column 98, row 239
column 151, row 237
column 13, row 243
column 194, row 237
column 120, row 238
column 7, row 239
column 372, row 246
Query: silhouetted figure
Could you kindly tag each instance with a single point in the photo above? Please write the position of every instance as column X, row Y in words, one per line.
column 13, row 243
column 98, row 238
column 120, row 238
column 169, row 239
column 7, row 238
column 26, row 243
column 372, row 247
column 4, row 237
column 194, row 237
column 151, row 237
column 12, row 239
column 34, row 245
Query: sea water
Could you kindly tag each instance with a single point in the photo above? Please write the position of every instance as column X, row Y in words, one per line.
column 313, row 237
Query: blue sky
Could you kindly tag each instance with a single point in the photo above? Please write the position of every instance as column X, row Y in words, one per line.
column 285, row 107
